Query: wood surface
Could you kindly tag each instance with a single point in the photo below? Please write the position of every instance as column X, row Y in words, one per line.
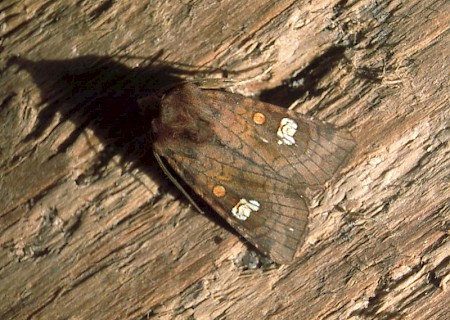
column 90, row 228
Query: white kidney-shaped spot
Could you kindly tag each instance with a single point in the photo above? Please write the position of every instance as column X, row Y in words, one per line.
column 244, row 208
column 286, row 131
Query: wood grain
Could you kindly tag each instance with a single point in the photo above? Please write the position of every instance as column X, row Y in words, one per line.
column 90, row 228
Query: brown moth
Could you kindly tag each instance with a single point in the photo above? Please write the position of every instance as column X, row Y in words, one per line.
column 250, row 161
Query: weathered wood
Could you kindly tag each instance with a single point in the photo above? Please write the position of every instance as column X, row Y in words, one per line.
column 91, row 229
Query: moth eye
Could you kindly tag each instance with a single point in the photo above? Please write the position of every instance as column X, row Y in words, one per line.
column 286, row 131
column 259, row 118
column 244, row 208
column 219, row 191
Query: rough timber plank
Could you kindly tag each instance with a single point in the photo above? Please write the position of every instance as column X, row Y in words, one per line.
column 91, row 229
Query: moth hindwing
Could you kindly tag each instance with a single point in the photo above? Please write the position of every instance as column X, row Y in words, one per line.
column 250, row 161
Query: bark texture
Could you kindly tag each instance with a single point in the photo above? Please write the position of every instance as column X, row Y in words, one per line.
column 90, row 228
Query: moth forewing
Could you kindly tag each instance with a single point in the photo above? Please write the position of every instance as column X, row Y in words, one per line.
column 250, row 161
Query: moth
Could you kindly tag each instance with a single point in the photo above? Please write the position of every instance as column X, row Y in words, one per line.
column 252, row 162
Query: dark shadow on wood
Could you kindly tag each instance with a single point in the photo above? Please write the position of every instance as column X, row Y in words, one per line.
column 305, row 82
column 102, row 94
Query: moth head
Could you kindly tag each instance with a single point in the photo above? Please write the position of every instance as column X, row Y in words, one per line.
column 183, row 116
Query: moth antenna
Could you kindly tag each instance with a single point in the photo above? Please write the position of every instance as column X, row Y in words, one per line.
column 214, row 84
column 176, row 183
column 260, row 76
column 294, row 104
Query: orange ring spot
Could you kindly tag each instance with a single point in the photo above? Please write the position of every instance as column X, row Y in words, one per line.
column 259, row 118
column 219, row 191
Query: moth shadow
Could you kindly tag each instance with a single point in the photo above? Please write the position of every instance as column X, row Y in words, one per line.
column 306, row 82
column 101, row 94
